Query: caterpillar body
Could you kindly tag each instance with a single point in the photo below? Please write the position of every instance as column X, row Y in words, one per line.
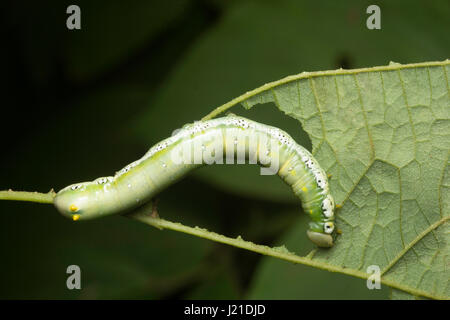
column 206, row 142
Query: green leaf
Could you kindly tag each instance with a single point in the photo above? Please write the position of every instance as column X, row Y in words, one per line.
column 255, row 42
column 384, row 135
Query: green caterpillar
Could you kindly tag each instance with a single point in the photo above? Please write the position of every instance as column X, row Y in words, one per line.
column 207, row 142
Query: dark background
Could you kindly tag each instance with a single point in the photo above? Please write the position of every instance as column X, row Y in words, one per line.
column 81, row 104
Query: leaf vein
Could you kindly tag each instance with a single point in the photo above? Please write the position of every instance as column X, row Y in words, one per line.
column 413, row 242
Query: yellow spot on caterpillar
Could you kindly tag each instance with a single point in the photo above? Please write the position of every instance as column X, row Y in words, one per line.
column 304, row 189
column 293, row 172
column 338, row 206
column 76, row 217
column 73, row 208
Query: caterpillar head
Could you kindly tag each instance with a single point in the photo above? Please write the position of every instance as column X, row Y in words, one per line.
column 77, row 201
column 322, row 231
column 323, row 239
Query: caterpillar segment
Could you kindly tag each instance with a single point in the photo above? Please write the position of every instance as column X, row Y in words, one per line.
column 226, row 140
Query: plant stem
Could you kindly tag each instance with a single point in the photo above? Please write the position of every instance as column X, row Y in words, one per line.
column 28, row 196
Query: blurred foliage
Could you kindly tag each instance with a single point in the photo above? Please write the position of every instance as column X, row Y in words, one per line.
column 82, row 104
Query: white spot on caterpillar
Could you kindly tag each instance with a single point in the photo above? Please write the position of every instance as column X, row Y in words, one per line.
column 328, row 227
column 103, row 180
column 327, row 207
column 321, row 182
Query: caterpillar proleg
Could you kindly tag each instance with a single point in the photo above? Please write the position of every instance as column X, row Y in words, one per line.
column 223, row 140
